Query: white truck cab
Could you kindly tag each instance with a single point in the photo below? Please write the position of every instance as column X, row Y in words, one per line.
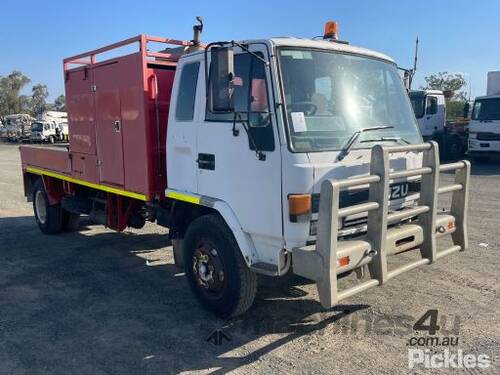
column 45, row 131
column 484, row 128
column 430, row 110
column 49, row 127
column 280, row 121
column 303, row 101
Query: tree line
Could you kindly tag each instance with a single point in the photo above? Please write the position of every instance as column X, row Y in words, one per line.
column 12, row 101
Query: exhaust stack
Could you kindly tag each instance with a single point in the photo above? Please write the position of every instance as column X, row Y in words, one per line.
column 197, row 30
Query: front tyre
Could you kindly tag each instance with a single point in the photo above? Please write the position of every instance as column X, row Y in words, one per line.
column 48, row 217
column 217, row 273
column 481, row 159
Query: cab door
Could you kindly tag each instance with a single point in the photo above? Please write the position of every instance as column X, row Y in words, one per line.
column 243, row 168
column 433, row 120
column 182, row 127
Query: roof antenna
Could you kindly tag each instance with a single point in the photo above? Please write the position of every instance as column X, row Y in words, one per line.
column 414, row 70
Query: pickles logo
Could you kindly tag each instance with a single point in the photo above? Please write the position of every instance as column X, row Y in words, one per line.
column 424, row 347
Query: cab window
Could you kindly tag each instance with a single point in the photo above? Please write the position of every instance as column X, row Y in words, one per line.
column 184, row 110
column 432, row 105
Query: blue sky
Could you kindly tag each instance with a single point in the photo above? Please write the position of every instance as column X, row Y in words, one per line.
column 455, row 35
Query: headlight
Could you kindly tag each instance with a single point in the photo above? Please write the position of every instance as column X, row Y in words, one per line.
column 472, row 135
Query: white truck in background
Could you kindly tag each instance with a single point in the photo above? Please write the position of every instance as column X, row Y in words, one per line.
column 3, row 130
column 18, row 127
column 484, row 128
column 49, row 127
column 430, row 110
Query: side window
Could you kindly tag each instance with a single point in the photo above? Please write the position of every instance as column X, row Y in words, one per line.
column 250, row 91
column 184, row 110
column 432, row 105
column 251, row 101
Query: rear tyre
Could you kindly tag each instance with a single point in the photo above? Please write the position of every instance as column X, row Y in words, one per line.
column 217, row 273
column 177, row 247
column 454, row 148
column 71, row 221
column 48, row 217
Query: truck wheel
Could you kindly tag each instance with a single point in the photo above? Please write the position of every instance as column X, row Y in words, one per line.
column 177, row 247
column 71, row 221
column 454, row 148
column 215, row 268
column 49, row 218
column 481, row 159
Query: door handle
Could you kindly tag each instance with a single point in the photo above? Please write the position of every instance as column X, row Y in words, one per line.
column 206, row 161
column 117, row 126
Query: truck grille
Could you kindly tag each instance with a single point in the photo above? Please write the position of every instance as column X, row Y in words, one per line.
column 488, row 137
column 350, row 198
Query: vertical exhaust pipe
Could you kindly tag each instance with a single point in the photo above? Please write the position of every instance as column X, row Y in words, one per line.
column 197, row 30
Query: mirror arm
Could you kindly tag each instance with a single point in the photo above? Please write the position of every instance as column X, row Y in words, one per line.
column 236, row 132
column 245, row 48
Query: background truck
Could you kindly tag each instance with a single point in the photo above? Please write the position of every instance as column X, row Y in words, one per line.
column 18, row 127
column 430, row 110
column 262, row 156
column 3, row 131
column 484, row 128
column 49, row 127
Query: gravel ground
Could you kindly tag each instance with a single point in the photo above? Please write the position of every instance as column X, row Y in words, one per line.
column 99, row 302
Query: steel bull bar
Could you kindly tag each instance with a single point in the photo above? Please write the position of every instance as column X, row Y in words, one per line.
column 388, row 233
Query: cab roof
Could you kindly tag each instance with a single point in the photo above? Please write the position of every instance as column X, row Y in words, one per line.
column 314, row 44
column 425, row 92
column 497, row 96
column 328, row 45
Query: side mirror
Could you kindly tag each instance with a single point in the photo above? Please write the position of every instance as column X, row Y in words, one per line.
column 221, row 79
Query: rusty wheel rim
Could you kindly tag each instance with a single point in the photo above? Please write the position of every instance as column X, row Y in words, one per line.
column 208, row 269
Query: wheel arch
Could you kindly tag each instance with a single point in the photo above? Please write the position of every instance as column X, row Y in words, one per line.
column 185, row 212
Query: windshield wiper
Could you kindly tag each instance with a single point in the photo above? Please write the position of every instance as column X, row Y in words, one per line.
column 386, row 139
column 352, row 140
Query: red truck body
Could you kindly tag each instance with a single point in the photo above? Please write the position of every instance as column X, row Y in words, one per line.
column 117, row 112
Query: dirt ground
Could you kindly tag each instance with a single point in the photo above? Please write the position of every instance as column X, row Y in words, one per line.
column 98, row 302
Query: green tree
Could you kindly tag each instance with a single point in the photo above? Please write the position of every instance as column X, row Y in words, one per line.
column 454, row 83
column 60, row 103
column 11, row 100
column 38, row 102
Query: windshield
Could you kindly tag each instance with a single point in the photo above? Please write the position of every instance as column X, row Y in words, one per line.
column 418, row 104
column 486, row 109
column 36, row 127
column 330, row 95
